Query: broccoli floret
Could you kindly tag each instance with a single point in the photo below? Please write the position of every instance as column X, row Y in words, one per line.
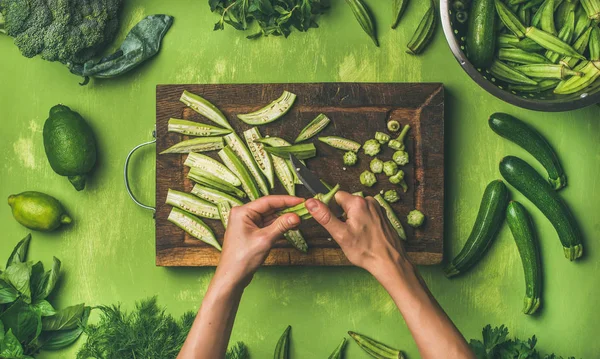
column 68, row 31
column 350, row 158
column 376, row 165
column 372, row 147
column 391, row 196
column 415, row 218
column 390, row 168
column 400, row 157
column 368, row 179
column 381, row 137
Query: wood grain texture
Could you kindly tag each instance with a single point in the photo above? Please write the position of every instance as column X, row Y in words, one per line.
column 357, row 110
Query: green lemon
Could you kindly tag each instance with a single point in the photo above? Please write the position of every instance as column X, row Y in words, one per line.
column 70, row 145
column 38, row 211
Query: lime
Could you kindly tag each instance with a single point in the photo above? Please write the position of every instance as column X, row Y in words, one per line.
column 38, row 211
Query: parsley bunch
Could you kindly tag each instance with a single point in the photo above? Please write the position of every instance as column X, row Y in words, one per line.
column 274, row 17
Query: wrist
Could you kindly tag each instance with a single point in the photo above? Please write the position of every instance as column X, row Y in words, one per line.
column 394, row 271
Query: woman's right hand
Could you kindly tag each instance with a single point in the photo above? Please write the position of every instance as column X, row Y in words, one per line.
column 366, row 237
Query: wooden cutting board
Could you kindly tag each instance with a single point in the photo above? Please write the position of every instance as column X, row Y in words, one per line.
column 357, row 110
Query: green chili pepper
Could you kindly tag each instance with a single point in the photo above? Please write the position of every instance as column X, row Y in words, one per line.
column 424, row 32
column 364, row 17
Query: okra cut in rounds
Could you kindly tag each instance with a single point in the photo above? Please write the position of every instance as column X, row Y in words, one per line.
column 271, row 112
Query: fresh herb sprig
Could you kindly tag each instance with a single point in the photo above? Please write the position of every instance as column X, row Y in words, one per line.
column 274, row 17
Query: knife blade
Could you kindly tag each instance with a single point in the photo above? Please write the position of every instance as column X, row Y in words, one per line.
column 313, row 183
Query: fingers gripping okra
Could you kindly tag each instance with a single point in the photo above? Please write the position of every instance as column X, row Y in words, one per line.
column 301, row 209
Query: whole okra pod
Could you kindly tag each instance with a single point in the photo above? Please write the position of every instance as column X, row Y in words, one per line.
column 364, row 17
column 424, row 32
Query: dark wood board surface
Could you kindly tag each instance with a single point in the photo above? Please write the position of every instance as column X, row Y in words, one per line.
column 357, row 110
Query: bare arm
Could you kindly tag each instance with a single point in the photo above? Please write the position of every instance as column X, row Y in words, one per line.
column 253, row 228
column 369, row 242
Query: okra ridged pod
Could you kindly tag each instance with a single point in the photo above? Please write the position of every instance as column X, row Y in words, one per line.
column 365, row 18
column 398, row 8
column 341, row 143
column 509, row 19
column 302, row 151
column 224, row 209
column 282, row 349
column 313, row 128
column 532, row 4
column 210, row 180
column 519, row 56
column 205, row 108
column 582, row 22
column 562, row 12
column 243, row 153
column 591, row 72
column 210, row 165
column 279, row 142
column 338, row 353
column 192, row 204
column 194, row 226
column 547, row 18
column 565, row 34
column 524, row 15
column 528, row 45
column 270, row 112
column 214, row 196
column 391, row 216
column 579, row 45
column 592, row 8
column 374, row 348
column 192, row 128
column 594, row 44
column 200, row 144
column 424, row 32
column 551, row 42
column 261, row 157
column 236, row 166
column 543, row 85
column 301, row 209
column 507, row 74
column 547, row 71
column 506, row 41
column 296, row 239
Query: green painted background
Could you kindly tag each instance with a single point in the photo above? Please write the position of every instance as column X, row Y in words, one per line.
column 108, row 254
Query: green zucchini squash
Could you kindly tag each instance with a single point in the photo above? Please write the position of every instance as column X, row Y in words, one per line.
column 481, row 37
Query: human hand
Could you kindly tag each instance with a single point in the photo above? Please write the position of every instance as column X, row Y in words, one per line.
column 252, row 230
column 366, row 237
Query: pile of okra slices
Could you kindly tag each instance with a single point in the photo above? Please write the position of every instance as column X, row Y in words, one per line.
column 536, row 45
column 249, row 166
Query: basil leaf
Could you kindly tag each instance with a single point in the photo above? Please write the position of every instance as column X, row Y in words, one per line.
column 37, row 281
column 22, row 320
column 19, row 274
column 19, row 254
column 44, row 308
column 51, row 278
column 66, row 318
column 10, row 347
column 8, row 294
column 63, row 338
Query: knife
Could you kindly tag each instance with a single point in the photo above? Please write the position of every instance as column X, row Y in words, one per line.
column 313, row 183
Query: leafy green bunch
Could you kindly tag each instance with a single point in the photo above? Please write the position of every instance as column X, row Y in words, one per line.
column 274, row 17
column 496, row 345
column 28, row 322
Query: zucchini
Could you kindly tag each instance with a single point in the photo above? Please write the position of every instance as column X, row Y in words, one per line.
column 282, row 349
column 341, row 143
column 523, row 232
column 374, row 348
column 242, row 152
column 391, row 216
column 214, row 196
column 262, row 158
column 527, row 181
column 301, row 151
column 192, row 204
column 194, row 226
column 533, row 142
column 192, row 128
column 489, row 220
column 210, row 180
column 283, row 167
column 210, row 165
column 224, row 209
column 200, row 144
column 271, row 112
column 338, row 353
column 205, row 108
column 313, row 128
column 237, row 167
column 481, row 37
column 296, row 239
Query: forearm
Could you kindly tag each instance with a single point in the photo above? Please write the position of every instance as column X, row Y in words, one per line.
column 434, row 333
column 209, row 335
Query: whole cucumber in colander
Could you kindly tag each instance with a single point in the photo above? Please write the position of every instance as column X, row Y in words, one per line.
column 481, row 38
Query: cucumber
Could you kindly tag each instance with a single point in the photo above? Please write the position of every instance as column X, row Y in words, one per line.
column 194, row 226
column 489, row 219
column 374, row 348
column 523, row 232
column 192, row 204
column 237, row 167
column 533, row 142
column 210, row 165
column 527, row 181
column 242, row 152
column 214, row 196
column 282, row 349
column 481, row 39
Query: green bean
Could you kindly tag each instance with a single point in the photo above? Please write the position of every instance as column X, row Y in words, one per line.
column 398, row 8
column 551, row 42
column 543, row 85
column 364, row 17
column 565, row 34
column 519, row 56
column 424, row 32
column 579, row 45
column 591, row 72
column 509, row 19
column 547, row 71
column 595, row 44
column 507, row 74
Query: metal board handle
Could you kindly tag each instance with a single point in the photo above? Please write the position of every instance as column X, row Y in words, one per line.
column 126, row 176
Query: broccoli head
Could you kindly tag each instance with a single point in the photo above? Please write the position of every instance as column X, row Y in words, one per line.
column 68, row 31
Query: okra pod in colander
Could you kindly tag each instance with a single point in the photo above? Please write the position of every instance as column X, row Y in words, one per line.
column 551, row 42
column 547, row 18
column 519, row 56
column 547, row 71
column 565, row 34
column 509, row 19
column 543, row 85
column 528, row 45
column 594, row 44
column 591, row 72
column 424, row 32
column 592, row 8
column 507, row 74
column 562, row 13
column 579, row 45
column 506, row 41
column 582, row 22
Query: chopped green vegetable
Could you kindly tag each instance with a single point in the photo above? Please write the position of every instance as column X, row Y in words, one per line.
column 313, row 128
column 390, row 168
column 359, row 193
column 391, row 196
column 224, row 209
column 341, row 143
column 376, row 165
column 393, row 126
column 301, row 209
column 398, row 143
column 192, row 128
column 391, row 216
column 382, row 138
column 192, row 204
column 367, row 178
column 301, row 151
column 400, row 157
column 296, row 239
column 212, row 181
column 350, row 158
column 212, row 166
column 194, row 226
column 199, row 144
column 372, row 147
column 205, row 108
column 235, row 165
column 415, row 218
column 243, row 153
column 270, row 112
column 398, row 179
